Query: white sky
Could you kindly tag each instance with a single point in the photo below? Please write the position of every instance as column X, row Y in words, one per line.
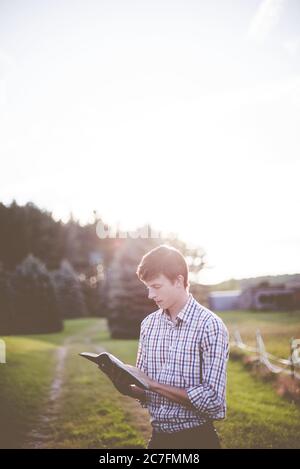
column 184, row 114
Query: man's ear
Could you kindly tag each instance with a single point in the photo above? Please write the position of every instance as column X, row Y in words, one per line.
column 179, row 281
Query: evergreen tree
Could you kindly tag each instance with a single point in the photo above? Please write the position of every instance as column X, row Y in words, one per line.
column 127, row 298
column 127, row 302
column 69, row 291
column 35, row 300
column 6, row 303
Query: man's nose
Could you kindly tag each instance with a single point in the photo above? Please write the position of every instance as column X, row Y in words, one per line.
column 151, row 295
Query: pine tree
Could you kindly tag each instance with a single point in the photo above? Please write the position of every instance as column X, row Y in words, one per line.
column 69, row 291
column 6, row 303
column 127, row 298
column 35, row 300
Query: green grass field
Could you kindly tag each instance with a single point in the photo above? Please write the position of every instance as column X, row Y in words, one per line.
column 89, row 413
column 277, row 328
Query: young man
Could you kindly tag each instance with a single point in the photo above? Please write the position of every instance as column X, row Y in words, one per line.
column 183, row 351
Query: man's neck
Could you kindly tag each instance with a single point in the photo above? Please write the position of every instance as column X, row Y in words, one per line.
column 175, row 309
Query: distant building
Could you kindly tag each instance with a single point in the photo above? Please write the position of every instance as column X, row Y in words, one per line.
column 224, row 300
column 270, row 297
column 260, row 297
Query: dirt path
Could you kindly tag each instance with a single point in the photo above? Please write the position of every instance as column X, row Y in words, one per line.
column 38, row 437
column 42, row 434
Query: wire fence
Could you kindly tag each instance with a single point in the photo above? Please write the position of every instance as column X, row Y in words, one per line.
column 289, row 366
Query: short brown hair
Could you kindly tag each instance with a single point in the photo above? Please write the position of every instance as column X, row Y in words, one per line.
column 164, row 260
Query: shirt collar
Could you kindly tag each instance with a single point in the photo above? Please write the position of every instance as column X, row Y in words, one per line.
column 183, row 313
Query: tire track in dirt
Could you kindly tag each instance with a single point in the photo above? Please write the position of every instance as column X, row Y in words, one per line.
column 38, row 437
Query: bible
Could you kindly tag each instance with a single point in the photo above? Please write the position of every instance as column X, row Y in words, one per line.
column 116, row 370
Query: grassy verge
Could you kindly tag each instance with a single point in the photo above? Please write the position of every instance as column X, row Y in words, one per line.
column 257, row 416
column 91, row 413
column 277, row 328
column 25, row 380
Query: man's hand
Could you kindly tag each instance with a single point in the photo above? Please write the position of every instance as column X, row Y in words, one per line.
column 142, row 375
column 121, row 384
column 122, row 387
column 137, row 393
column 175, row 394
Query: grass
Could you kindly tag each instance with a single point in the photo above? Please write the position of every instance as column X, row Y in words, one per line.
column 277, row 328
column 90, row 413
column 257, row 416
column 25, row 380
column 94, row 414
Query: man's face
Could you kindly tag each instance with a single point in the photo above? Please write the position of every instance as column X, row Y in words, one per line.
column 163, row 291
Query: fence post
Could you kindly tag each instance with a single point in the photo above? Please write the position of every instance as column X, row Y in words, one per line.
column 237, row 338
column 260, row 346
column 2, row 351
column 295, row 355
column 292, row 358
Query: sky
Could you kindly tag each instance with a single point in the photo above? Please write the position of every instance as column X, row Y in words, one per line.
column 184, row 114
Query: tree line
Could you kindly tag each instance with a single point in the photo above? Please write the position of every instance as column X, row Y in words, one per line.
column 50, row 270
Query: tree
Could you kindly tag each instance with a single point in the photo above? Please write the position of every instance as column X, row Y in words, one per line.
column 126, row 295
column 127, row 298
column 6, row 303
column 69, row 291
column 35, row 300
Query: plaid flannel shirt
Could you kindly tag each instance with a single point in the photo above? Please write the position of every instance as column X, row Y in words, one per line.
column 191, row 354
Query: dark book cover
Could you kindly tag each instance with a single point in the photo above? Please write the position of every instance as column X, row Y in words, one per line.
column 115, row 368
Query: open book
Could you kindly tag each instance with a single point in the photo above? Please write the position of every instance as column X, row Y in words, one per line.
column 115, row 368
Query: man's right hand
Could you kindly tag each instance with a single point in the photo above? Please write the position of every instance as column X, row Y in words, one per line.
column 118, row 381
column 122, row 387
column 137, row 393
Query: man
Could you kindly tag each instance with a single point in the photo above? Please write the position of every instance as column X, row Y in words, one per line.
column 183, row 351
